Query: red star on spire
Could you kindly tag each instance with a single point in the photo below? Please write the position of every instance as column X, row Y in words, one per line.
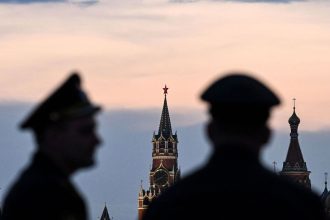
column 165, row 89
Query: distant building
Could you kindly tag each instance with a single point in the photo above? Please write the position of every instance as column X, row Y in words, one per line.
column 164, row 171
column 325, row 197
column 105, row 214
column 294, row 166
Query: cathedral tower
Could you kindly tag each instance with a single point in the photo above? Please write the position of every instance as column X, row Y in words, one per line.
column 164, row 170
column 294, row 166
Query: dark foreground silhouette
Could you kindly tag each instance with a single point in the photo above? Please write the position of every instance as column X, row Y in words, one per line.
column 64, row 129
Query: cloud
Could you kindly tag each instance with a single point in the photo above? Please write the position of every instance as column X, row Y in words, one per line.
column 78, row 2
column 92, row 2
column 83, row 2
column 266, row 1
column 29, row 1
column 244, row 1
column 184, row 1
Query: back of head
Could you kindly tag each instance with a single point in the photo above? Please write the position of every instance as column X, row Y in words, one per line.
column 239, row 103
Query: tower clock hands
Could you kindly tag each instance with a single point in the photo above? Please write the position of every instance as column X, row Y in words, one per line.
column 160, row 177
column 159, row 180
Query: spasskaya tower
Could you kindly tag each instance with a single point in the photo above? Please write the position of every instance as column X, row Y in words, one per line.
column 164, row 170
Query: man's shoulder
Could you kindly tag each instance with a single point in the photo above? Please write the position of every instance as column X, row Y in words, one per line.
column 33, row 185
column 287, row 188
column 204, row 184
column 29, row 184
column 258, row 188
column 35, row 193
column 33, row 177
column 192, row 184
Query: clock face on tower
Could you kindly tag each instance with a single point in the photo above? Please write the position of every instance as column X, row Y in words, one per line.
column 160, row 177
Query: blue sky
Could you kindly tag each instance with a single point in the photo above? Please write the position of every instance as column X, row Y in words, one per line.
column 43, row 1
column 125, row 155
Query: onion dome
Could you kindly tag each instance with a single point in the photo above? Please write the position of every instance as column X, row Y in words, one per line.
column 294, row 119
column 294, row 122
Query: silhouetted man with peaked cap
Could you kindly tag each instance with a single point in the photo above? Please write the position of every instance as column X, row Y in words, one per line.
column 233, row 185
column 65, row 133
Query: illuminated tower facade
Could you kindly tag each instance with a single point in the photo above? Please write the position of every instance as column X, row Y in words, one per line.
column 164, row 170
column 294, row 166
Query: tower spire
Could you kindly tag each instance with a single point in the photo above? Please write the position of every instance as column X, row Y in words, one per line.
column 294, row 165
column 165, row 122
column 105, row 214
column 325, row 191
column 295, row 156
column 163, row 171
column 325, row 180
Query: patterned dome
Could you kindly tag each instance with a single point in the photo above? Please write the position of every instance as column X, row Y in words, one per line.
column 294, row 119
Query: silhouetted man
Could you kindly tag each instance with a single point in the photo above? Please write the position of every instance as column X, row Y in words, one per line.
column 64, row 129
column 233, row 185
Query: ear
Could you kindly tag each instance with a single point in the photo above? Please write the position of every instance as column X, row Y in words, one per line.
column 53, row 134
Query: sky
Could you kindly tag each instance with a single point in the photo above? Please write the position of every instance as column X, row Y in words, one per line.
column 128, row 50
column 145, row 44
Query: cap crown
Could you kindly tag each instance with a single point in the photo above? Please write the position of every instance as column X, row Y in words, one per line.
column 239, row 89
column 67, row 101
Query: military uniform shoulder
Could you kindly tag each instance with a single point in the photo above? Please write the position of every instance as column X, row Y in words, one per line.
column 289, row 189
